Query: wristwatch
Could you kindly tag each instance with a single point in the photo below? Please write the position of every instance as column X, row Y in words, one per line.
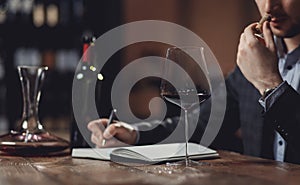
column 267, row 92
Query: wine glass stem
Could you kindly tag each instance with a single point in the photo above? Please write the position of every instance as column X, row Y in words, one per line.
column 186, row 129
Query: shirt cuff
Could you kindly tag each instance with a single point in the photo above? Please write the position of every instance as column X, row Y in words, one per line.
column 268, row 101
column 137, row 134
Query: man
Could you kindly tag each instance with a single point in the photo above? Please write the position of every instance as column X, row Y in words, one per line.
column 263, row 103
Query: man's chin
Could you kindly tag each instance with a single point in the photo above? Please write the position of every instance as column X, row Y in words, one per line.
column 285, row 33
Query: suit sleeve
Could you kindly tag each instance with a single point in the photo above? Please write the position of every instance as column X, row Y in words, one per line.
column 284, row 117
column 155, row 131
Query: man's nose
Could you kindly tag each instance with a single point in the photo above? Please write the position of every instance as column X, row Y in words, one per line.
column 271, row 5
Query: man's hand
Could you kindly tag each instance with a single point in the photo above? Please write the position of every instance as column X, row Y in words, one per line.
column 116, row 134
column 258, row 60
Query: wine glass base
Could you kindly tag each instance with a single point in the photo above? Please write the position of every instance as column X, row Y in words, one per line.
column 35, row 144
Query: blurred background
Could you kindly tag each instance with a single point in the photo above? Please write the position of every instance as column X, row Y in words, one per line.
column 49, row 32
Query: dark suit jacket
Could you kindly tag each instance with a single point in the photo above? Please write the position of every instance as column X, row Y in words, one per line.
column 244, row 113
column 257, row 126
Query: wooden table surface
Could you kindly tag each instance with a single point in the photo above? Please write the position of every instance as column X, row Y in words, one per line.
column 230, row 168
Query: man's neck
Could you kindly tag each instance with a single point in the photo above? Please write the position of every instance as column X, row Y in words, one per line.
column 292, row 43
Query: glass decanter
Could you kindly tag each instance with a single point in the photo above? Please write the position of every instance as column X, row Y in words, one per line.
column 30, row 138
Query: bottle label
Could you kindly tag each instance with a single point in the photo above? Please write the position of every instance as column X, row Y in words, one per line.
column 85, row 58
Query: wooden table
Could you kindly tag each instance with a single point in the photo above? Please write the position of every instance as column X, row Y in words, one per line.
column 230, row 168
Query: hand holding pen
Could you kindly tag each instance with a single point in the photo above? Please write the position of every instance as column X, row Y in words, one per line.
column 116, row 133
column 110, row 119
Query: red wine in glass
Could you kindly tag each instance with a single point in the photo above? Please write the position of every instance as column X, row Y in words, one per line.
column 184, row 83
column 175, row 99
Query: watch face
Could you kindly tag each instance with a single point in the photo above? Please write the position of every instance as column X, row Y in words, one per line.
column 267, row 92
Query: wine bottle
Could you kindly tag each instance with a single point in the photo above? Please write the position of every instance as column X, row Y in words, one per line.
column 83, row 76
column 3, row 117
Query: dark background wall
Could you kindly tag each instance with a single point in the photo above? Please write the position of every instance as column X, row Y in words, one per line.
column 217, row 22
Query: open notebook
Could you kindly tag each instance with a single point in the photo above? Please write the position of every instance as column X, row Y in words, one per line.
column 147, row 153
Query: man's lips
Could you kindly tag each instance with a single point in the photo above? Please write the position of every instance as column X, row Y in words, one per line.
column 278, row 19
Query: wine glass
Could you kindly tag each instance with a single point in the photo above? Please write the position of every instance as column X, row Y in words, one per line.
column 30, row 138
column 186, row 67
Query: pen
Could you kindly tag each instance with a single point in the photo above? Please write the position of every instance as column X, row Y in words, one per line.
column 110, row 119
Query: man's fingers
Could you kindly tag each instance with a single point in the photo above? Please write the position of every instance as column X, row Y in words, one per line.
column 113, row 135
column 116, row 128
column 110, row 131
column 241, row 48
column 97, row 127
column 97, row 123
column 97, row 140
column 114, row 143
column 268, row 35
column 249, row 32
